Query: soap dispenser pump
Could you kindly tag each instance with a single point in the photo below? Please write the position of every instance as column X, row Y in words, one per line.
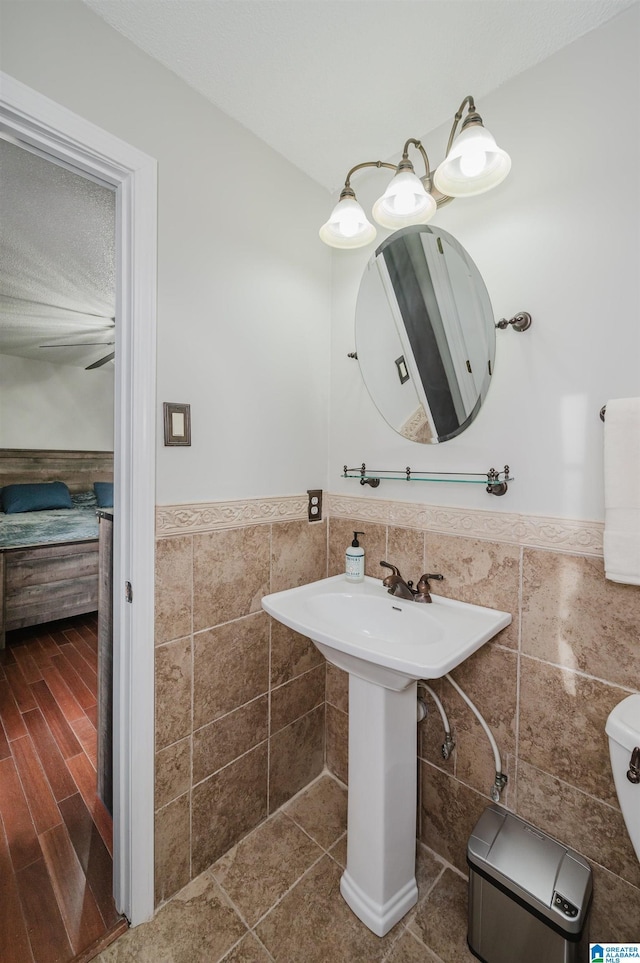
column 354, row 560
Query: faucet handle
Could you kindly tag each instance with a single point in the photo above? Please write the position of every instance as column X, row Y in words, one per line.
column 423, row 593
column 423, row 588
column 392, row 567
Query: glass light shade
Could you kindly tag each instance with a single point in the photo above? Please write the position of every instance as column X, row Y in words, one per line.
column 347, row 226
column 474, row 164
column 404, row 202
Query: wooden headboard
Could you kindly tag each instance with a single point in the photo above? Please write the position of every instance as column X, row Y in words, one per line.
column 77, row 469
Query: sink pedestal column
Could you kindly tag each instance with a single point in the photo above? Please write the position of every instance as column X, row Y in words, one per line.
column 379, row 883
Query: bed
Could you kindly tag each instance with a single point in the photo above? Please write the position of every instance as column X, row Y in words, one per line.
column 49, row 558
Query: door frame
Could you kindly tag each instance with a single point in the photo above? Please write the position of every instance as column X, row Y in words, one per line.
column 34, row 121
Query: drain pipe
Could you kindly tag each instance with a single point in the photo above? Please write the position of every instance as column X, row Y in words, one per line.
column 448, row 744
column 501, row 778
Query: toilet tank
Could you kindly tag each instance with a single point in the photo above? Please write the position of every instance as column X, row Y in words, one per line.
column 623, row 730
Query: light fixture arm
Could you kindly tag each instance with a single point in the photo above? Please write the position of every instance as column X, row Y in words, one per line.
column 347, row 183
column 404, row 164
column 472, row 117
column 405, row 157
column 476, row 165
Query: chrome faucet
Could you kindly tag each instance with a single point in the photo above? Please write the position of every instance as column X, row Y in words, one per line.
column 397, row 586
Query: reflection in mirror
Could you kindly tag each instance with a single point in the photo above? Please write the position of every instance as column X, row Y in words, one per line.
column 425, row 334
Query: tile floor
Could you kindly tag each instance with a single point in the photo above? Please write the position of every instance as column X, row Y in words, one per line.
column 275, row 896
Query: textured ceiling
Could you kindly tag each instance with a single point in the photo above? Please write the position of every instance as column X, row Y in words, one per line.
column 57, row 262
column 328, row 83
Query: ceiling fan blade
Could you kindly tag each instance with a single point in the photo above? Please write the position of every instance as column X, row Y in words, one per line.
column 75, row 344
column 98, row 364
column 59, row 307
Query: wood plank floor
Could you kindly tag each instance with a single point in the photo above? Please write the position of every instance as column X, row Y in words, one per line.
column 56, row 846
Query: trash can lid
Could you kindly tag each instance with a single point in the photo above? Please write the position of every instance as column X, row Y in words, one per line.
column 535, row 867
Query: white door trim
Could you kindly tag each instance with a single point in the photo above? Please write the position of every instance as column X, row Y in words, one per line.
column 31, row 119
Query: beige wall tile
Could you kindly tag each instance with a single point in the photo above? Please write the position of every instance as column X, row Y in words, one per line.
column 227, row 805
column 616, row 908
column 475, row 766
column 484, row 573
column 449, row 811
column 231, row 667
column 291, row 653
column 296, row 698
column 173, row 692
column 562, row 726
column 296, row 756
column 405, row 550
column 338, row 687
column 578, row 820
column 431, row 732
column 220, row 742
column 374, row 543
column 173, row 587
column 298, row 553
column 571, row 616
column 576, row 618
column 337, row 752
column 173, row 772
column 230, row 574
column 490, row 679
column 172, row 848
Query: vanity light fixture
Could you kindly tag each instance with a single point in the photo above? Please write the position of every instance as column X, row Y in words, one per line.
column 473, row 164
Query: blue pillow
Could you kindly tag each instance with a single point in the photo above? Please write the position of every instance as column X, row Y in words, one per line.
column 35, row 498
column 104, row 494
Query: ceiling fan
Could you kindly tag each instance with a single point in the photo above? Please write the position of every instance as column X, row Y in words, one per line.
column 89, row 344
column 86, row 344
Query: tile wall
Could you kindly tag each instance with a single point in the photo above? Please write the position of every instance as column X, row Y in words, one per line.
column 545, row 685
column 239, row 698
column 244, row 719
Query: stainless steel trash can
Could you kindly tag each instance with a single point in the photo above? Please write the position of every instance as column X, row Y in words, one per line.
column 529, row 896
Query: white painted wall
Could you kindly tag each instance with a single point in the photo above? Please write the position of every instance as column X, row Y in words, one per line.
column 243, row 280
column 560, row 238
column 44, row 405
column 243, row 300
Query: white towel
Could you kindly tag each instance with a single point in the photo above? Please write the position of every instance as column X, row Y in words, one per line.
column 622, row 491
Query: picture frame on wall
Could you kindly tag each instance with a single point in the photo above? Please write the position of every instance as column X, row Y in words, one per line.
column 177, row 424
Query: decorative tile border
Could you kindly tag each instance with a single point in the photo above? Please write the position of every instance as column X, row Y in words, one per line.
column 215, row 516
column 536, row 531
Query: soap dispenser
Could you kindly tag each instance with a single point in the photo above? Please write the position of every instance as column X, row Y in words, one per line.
column 354, row 560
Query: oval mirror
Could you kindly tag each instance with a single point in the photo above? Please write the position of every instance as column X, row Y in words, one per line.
column 425, row 334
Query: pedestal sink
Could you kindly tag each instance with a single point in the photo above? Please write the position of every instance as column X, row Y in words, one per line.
column 385, row 644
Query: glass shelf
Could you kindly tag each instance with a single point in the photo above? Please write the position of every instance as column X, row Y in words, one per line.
column 494, row 481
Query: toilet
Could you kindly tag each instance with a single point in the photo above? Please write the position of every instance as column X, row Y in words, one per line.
column 623, row 730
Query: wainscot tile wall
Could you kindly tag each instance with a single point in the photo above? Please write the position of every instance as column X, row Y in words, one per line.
column 545, row 685
column 248, row 713
column 239, row 698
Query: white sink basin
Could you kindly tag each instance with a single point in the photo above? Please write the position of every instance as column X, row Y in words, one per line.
column 382, row 639
column 385, row 644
